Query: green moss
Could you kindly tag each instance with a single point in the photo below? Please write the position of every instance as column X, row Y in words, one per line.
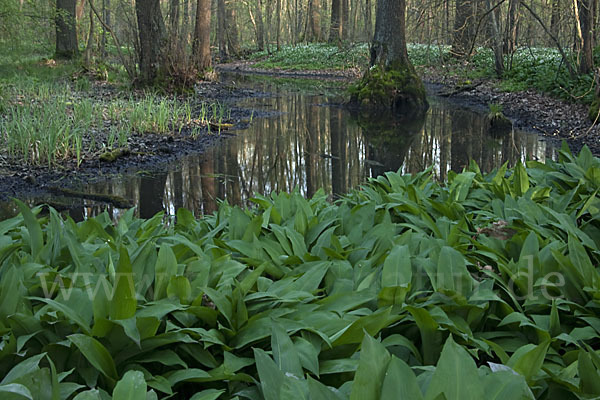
column 395, row 88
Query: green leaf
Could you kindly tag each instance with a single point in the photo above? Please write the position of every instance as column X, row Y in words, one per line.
column 36, row 236
column 520, row 180
column 318, row 391
column 208, row 394
column 284, row 352
column 396, row 276
column 131, row 387
column 456, row 376
column 529, row 362
column 96, row 354
column 23, row 368
column 16, row 389
column 165, row 268
column 270, row 376
column 372, row 367
column 589, row 379
column 400, row 382
column 124, row 303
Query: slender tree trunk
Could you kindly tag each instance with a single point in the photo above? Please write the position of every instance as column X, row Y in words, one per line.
column 512, row 23
column 335, row 29
column 345, row 20
column 151, row 36
column 221, row 30
column 463, row 21
column 496, row 40
column 368, row 20
column 233, row 40
column 315, row 19
column 201, row 46
column 555, row 21
column 90, row 40
column 278, row 23
column 260, row 28
column 586, row 15
column 66, row 31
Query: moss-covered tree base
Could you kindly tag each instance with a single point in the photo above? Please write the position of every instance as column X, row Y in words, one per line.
column 399, row 89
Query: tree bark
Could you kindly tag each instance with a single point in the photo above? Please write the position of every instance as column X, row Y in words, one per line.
column 151, row 35
column 66, row 29
column 463, row 28
column 233, row 40
column 260, row 28
column 391, row 82
column 586, row 15
column 555, row 20
column 221, row 30
column 201, row 46
column 335, row 32
column 510, row 44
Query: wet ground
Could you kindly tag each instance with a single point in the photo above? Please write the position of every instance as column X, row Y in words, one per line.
column 292, row 134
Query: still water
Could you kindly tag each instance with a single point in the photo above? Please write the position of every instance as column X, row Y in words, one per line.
column 311, row 144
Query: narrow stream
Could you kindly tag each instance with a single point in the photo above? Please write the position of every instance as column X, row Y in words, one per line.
column 309, row 145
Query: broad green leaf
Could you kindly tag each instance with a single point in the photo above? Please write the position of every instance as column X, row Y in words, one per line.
column 456, row 376
column 131, row 387
column 16, row 389
column 165, row 268
column 528, row 363
column 284, row 352
column 36, row 236
column 371, row 372
column 208, row 394
column 589, row 379
column 270, row 376
column 124, row 303
column 23, row 368
column 96, row 354
column 400, row 382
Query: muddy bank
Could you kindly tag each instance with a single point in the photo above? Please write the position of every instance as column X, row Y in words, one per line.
column 248, row 67
column 144, row 153
column 529, row 110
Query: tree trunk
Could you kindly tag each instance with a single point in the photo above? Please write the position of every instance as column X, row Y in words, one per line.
column 221, row 30
column 555, row 20
column 151, row 35
column 368, row 20
column 278, row 23
column 335, row 32
column 201, row 46
column 391, row 82
column 510, row 44
column 345, row 20
column 233, row 40
column 260, row 28
column 315, row 20
column 496, row 40
column 463, row 28
column 586, row 15
column 66, row 29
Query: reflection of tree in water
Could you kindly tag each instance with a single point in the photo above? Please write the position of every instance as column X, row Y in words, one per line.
column 310, row 146
column 451, row 137
column 389, row 139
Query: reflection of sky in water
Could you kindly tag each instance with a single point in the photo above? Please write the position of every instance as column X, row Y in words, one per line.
column 310, row 146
